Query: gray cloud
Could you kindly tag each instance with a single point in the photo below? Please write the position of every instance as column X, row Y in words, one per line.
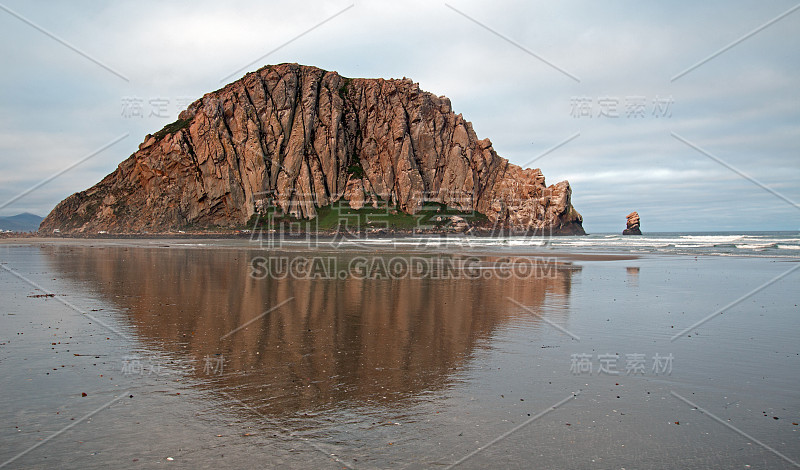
column 742, row 106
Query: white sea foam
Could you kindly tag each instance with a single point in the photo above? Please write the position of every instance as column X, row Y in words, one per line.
column 768, row 244
column 756, row 246
column 772, row 244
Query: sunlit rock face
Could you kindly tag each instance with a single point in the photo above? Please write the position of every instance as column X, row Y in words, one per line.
column 299, row 138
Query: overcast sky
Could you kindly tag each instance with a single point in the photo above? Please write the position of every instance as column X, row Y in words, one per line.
column 610, row 84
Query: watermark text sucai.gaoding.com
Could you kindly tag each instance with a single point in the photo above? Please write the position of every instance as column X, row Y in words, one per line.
column 401, row 267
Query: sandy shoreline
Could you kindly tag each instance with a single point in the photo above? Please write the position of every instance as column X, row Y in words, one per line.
column 239, row 365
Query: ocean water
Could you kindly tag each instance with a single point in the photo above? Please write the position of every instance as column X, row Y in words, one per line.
column 770, row 244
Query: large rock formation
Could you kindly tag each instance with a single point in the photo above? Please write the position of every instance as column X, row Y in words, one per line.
column 632, row 225
column 300, row 138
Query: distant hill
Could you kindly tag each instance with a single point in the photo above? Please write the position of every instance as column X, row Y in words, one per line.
column 25, row 222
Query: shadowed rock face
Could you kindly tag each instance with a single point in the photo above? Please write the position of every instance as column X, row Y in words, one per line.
column 299, row 138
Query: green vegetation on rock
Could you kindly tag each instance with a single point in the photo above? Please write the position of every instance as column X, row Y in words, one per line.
column 356, row 169
column 431, row 216
column 172, row 128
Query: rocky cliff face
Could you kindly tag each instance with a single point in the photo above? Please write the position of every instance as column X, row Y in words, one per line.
column 300, row 138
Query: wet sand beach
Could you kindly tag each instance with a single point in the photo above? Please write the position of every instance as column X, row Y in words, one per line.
column 209, row 354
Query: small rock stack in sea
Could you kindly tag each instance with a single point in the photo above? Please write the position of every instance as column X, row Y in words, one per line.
column 633, row 225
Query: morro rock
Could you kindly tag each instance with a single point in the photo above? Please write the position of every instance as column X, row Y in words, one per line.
column 296, row 138
column 633, row 225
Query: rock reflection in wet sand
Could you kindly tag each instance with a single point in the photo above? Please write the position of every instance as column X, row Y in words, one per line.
column 330, row 342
